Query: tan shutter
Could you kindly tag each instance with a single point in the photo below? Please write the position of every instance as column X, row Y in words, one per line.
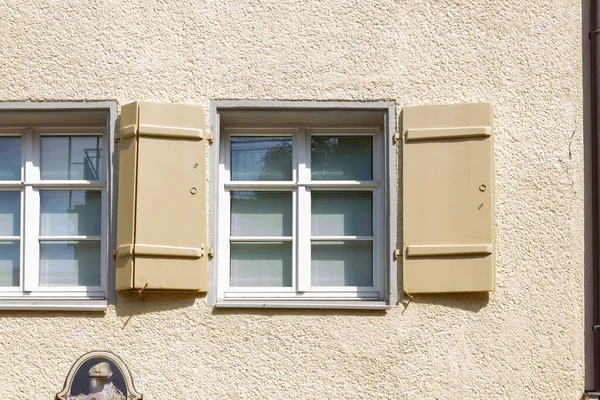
column 448, row 199
column 161, row 222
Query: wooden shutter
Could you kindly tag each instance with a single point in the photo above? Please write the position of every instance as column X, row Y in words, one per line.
column 162, row 219
column 448, row 198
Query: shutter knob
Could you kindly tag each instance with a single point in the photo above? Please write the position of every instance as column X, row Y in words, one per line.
column 482, row 188
column 193, row 190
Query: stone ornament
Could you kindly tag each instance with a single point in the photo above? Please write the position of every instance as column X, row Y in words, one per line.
column 99, row 375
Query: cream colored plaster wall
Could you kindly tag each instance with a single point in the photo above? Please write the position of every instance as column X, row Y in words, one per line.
column 523, row 342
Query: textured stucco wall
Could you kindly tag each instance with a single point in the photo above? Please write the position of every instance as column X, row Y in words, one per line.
column 524, row 341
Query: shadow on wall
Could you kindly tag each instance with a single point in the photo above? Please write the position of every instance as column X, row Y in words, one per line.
column 472, row 302
column 131, row 304
column 297, row 312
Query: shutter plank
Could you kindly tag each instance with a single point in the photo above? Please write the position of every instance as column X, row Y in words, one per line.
column 127, row 152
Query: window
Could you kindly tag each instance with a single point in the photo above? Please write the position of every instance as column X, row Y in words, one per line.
column 301, row 212
column 53, row 208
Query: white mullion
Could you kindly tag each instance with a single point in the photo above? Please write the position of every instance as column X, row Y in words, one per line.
column 72, row 131
column 260, row 185
column 342, row 238
column 260, row 238
column 377, row 222
column 339, row 185
column 344, row 131
column 304, row 212
column 296, row 149
column 9, row 238
column 22, row 218
column 223, row 217
column 104, row 213
column 69, row 238
column 67, row 185
column 103, row 237
column 31, row 210
column 317, row 293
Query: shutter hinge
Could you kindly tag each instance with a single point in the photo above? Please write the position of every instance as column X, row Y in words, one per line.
column 396, row 254
column 210, row 138
column 396, row 137
column 208, row 251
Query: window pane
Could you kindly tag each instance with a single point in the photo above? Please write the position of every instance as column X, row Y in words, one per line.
column 73, row 263
column 72, row 158
column 10, row 213
column 70, row 212
column 342, row 213
column 10, row 159
column 342, row 158
column 261, row 158
column 261, row 213
column 347, row 263
column 9, row 263
column 261, row 264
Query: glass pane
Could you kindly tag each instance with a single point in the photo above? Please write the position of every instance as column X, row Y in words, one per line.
column 10, row 159
column 341, row 158
column 261, row 158
column 10, row 213
column 342, row 263
column 342, row 214
column 9, row 263
column 261, row 214
column 70, row 213
column 72, row 158
column 73, row 263
column 261, row 264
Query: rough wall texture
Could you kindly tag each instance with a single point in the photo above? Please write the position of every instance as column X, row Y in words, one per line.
column 524, row 341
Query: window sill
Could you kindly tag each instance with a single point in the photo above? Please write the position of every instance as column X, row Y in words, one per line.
column 19, row 304
column 336, row 305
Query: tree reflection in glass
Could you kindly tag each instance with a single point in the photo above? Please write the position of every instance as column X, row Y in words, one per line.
column 261, row 158
column 342, row 158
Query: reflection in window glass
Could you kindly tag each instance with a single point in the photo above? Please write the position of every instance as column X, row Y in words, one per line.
column 342, row 158
column 261, row 213
column 72, row 263
column 10, row 159
column 342, row 213
column 261, row 158
column 72, row 158
column 70, row 212
column 347, row 263
column 10, row 213
column 9, row 263
column 261, row 264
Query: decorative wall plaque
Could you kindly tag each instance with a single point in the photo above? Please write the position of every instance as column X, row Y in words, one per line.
column 99, row 375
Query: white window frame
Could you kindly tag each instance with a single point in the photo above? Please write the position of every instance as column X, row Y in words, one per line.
column 30, row 294
column 384, row 190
